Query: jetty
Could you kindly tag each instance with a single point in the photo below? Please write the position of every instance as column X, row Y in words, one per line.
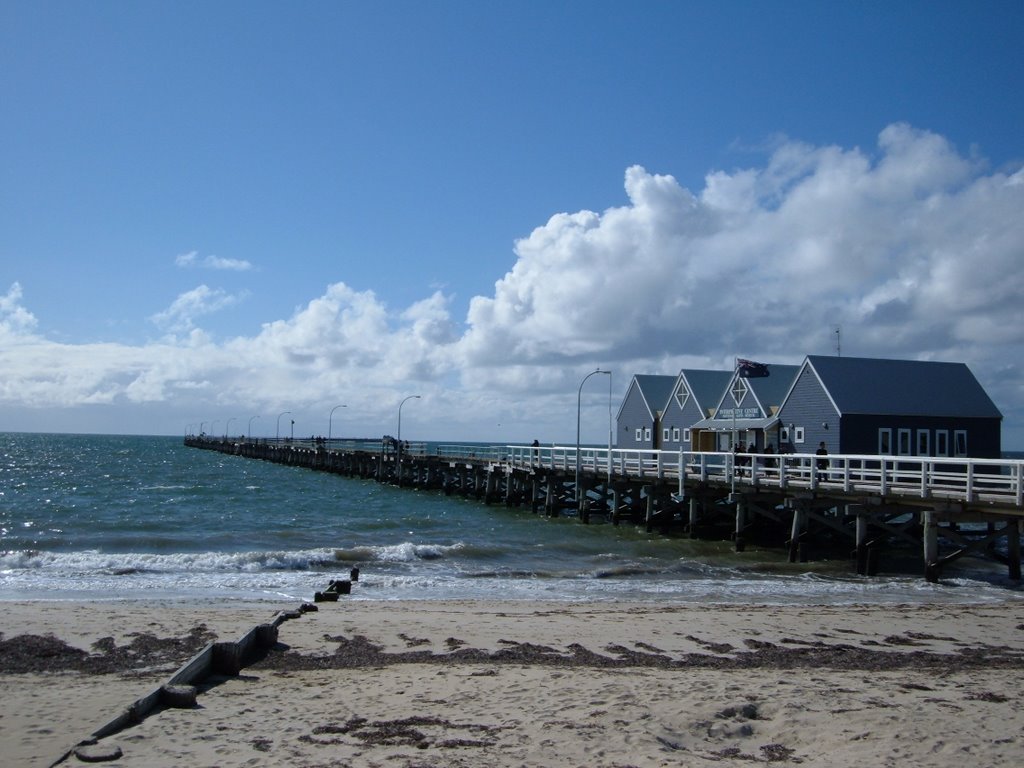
column 867, row 506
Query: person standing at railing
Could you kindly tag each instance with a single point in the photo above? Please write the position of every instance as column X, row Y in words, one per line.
column 536, row 452
column 822, row 463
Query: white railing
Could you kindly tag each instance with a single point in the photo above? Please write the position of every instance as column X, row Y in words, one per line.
column 970, row 480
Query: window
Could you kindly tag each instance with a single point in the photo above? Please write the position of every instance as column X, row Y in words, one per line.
column 798, row 434
column 639, row 435
column 960, row 442
column 942, row 442
column 664, row 434
column 904, row 442
column 647, row 434
column 675, row 434
column 923, row 449
column 682, row 394
column 686, row 435
column 784, row 435
column 739, row 389
column 885, row 442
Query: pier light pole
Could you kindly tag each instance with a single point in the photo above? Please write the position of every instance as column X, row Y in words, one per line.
column 329, row 418
column 579, row 397
column 215, row 421
column 227, row 427
column 201, row 428
column 250, row 425
column 410, row 397
column 277, row 432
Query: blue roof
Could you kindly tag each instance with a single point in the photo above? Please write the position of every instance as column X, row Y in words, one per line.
column 706, row 386
column 656, row 390
column 860, row 385
column 773, row 388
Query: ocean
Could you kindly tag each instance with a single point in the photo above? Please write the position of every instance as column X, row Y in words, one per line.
column 115, row 517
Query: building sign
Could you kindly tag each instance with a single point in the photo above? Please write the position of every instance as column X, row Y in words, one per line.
column 740, row 413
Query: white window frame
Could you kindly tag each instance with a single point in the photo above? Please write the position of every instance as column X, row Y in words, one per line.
column 885, row 441
column 665, row 434
column 904, row 443
column 798, row 434
column 639, row 434
column 924, row 447
column 675, row 434
column 960, row 443
column 738, row 390
column 686, row 435
column 784, row 435
column 942, row 442
column 647, row 434
column 682, row 394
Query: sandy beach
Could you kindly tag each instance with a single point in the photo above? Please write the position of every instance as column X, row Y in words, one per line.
column 470, row 683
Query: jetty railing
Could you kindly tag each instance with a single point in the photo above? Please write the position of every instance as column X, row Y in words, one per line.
column 956, row 479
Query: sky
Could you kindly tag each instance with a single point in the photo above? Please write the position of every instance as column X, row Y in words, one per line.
column 215, row 213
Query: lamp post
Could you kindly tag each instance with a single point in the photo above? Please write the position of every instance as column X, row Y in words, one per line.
column 329, row 418
column 201, row 428
column 277, row 431
column 227, row 427
column 579, row 397
column 215, row 421
column 250, row 425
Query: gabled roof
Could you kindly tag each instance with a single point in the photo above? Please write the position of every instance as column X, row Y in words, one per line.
column 768, row 390
column 860, row 385
column 654, row 389
column 705, row 386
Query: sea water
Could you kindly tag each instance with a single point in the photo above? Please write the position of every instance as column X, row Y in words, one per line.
column 108, row 517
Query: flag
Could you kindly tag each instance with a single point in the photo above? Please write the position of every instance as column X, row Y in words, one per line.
column 748, row 369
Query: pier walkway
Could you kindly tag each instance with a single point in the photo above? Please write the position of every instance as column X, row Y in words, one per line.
column 862, row 506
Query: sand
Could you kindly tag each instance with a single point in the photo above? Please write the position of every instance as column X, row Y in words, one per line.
column 490, row 683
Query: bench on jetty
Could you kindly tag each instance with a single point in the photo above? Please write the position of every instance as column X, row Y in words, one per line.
column 967, row 506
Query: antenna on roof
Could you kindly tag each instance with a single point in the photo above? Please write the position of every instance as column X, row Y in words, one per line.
column 839, row 341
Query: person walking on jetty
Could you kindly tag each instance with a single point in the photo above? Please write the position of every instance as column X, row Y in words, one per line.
column 822, row 463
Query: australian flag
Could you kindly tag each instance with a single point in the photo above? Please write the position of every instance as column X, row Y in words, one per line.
column 748, row 369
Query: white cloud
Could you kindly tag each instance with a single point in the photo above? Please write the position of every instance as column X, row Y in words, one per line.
column 191, row 259
column 913, row 249
column 14, row 318
column 202, row 300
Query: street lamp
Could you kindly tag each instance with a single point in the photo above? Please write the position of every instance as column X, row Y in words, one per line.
column 579, row 396
column 215, row 421
column 227, row 427
column 410, row 397
column 277, row 432
column 329, row 418
column 250, row 425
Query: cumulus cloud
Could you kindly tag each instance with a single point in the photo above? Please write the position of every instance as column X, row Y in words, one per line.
column 191, row 259
column 14, row 318
column 181, row 315
column 910, row 247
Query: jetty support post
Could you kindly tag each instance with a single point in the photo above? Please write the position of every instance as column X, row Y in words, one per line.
column 930, row 536
column 741, row 523
column 694, row 513
column 1013, row 548
column 861, row 551
column 796, row 533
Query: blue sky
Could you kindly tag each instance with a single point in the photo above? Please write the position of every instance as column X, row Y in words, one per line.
column 221, row 210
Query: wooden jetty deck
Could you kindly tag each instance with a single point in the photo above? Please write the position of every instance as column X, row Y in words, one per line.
column 864, row 505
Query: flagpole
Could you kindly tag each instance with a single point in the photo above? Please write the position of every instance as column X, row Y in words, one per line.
column 735, row 376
